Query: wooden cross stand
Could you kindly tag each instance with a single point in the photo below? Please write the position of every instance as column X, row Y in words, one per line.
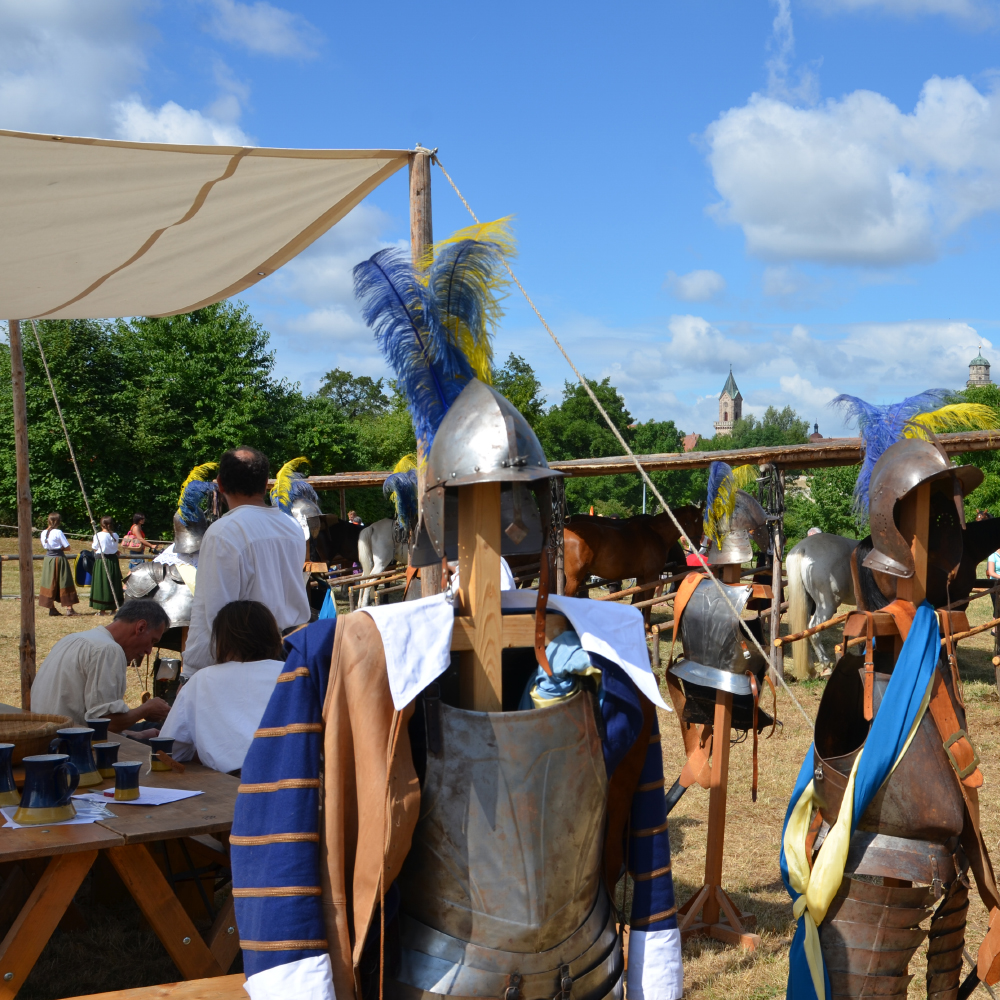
column 710, row 912
column 481, row 633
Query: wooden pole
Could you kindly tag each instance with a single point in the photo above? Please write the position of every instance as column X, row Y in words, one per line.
column 26, row 564
column 777, row 557
column 480, row 683
column 421, row 237
column 914, row 525
column 715, row 848
column 343, row 504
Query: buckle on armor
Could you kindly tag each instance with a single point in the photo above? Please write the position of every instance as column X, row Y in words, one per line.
column 565, row 984
column 962, row 772
column 513, row 990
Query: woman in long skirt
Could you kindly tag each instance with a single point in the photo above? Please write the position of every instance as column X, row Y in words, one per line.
column 106, row 589
column 57, row 576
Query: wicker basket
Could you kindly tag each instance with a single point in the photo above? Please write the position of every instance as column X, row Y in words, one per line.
column 30, row 732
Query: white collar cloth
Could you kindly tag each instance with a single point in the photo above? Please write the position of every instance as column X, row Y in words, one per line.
column 416, row 636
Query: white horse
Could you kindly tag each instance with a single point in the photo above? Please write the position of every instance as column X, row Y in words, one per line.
column 819, row 581
column 379, row 545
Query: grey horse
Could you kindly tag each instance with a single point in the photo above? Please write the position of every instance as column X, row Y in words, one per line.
column 819, row 581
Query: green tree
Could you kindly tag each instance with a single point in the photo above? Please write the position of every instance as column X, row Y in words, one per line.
column 516, row 380
column 355, row 395
column 986, row 496
column 777, row 427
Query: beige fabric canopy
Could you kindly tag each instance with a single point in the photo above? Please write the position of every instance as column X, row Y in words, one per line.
column 94, row 228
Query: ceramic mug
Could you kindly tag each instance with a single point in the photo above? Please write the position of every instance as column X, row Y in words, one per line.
column 100, row 727
column 105, row 755
column 126, row 779
column 75, row 742
column 50, row 779
column 160, row 744
column 9, row 795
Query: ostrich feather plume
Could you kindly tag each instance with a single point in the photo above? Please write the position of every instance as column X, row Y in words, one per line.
column 467, row 280
column 287, row 477
column 430, row 369
column 919, row 416
column 721, row 499
column 197, row 485
column 401, row 489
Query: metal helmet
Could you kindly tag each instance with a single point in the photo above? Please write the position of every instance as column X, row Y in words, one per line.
column 747, row 522
column 307, row 513
column 483, row 438
column 188, row 534
column 901, row 469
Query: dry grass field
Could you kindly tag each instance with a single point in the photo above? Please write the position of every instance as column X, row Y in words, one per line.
column 711, row 971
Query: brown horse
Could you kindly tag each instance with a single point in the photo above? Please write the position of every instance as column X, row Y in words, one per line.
column 615, row 549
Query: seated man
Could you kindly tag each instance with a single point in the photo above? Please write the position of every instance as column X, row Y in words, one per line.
column 85, row 674
column 219, row 709
column 252, row 553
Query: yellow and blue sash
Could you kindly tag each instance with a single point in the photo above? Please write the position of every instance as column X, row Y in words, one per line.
column 813, row 890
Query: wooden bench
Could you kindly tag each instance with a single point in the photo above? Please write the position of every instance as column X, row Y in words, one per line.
column 219, row 988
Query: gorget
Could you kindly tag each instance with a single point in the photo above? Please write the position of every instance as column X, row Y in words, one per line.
column 501, row 889
column 166, row 586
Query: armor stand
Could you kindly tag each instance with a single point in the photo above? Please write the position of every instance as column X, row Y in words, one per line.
column 702, row 915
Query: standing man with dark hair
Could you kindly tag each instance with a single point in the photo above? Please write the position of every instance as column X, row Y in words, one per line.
column 252, row 553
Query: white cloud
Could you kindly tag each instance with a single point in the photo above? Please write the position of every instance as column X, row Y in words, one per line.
column 172, row 123
column 857, row 181
column 969, row 10
column 782, row 47
column 696, row 286
column 262, row 28
column 64, row 63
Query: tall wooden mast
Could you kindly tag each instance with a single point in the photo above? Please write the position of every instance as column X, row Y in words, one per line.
column 421, row 237
column 25, row 564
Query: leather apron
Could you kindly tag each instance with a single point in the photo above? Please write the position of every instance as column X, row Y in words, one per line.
column 501, row 894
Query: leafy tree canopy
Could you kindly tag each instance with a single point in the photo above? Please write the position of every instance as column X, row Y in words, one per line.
column 355, row 395
column 516, row 380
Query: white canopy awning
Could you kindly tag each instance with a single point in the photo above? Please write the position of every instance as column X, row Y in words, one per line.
column 94, row 228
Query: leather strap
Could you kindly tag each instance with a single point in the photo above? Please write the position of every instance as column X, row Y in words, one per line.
column 902, row 613
column 870, row 668
column 956, row 681
column 756, row 699
column 955, row 741
column 540, row 606
column 688, row 586
column 411, row 573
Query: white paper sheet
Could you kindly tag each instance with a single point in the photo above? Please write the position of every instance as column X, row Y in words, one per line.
column 149, row 795
column 86, row 812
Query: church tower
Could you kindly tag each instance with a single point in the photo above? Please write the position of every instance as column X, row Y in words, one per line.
column 979, row 371
column 730, row 406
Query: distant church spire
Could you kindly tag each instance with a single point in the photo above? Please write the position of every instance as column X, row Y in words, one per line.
column 979, row 370
column 730, row 406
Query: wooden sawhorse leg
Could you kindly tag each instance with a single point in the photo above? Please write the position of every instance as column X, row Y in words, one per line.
column 711, row 902
column 166, row 916
column 39, row 918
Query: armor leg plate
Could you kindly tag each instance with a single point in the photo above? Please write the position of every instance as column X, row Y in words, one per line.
column 869, row 936
column 947, row 939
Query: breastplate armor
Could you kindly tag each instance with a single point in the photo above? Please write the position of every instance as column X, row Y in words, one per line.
column 501, row 889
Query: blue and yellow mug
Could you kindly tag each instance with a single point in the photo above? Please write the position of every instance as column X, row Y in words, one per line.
column 105, row 755
column 126, row 779
column 50, row 780
column 160, row 744
column 100, row 727
column 75, row 742
column 9, row 795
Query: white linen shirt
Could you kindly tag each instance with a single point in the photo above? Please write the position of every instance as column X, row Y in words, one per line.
column 53, row 540
column 105, row 542
column 249, row 554
column 83, row 677
column 218, row 710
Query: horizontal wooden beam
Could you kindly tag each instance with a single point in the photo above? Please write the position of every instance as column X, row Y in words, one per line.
column 518, row 630
column 816, row 455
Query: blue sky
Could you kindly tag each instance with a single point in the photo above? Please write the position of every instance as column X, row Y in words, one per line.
column 808, row 191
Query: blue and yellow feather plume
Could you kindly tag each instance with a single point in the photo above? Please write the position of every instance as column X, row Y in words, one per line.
column 288, row 475
column 920, row 416
column 401, row 489
column 199, row 484
column 430, row 370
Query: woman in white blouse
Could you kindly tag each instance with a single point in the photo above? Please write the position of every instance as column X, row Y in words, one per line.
column 219, row 709
column 106, row 589
column 57, row 574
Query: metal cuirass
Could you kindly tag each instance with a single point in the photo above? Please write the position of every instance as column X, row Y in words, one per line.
column 501, row 893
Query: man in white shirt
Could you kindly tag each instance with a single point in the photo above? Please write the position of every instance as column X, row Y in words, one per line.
column 252, row 553
column 85, row 674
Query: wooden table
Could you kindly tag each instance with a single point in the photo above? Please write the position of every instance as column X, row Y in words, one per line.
column 72, row 851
